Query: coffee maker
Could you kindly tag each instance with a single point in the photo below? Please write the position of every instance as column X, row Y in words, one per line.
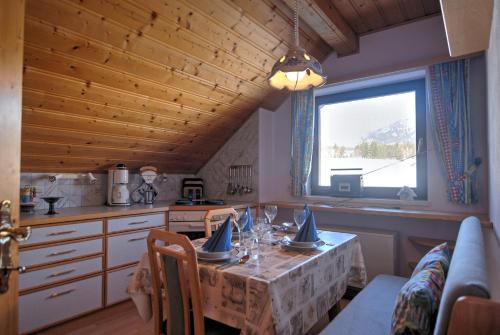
column 118, row 194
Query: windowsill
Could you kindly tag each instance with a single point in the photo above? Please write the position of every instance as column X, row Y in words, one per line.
column 364, row 202
column 372, row 209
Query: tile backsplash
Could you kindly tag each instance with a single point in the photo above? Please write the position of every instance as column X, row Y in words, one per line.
column 78, row 193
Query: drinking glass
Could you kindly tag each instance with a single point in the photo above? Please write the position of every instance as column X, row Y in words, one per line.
column 271, row 211
column 261, row 227
column 240, row 224
column 299, row 216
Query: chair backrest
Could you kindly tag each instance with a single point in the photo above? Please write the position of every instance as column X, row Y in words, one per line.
column 467, row 275
column 215, row 217
column 174, row 272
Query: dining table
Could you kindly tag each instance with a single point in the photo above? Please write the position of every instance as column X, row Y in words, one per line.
column 280, row 292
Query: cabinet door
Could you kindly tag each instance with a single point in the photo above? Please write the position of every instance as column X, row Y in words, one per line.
column 61, row 252
column 136, row 222
column 117, row 284
column 56, row 233
column 59, row 273
column 126, row 248
column 42, row 308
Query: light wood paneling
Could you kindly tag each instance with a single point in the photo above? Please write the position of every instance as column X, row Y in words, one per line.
column 167, row 82
column 372, row 15
column 11, row 56
column 144, row 82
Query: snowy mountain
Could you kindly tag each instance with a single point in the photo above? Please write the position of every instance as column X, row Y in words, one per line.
column 397, row 132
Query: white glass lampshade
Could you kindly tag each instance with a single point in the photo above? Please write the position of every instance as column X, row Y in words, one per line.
column 297, row 71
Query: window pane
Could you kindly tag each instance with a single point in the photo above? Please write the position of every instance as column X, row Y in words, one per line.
column 373, row 133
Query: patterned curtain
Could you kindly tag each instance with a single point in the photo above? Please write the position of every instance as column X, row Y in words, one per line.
column 302, row 139
column 450, row 118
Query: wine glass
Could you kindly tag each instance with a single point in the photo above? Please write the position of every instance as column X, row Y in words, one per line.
column 271, row 211
column 261, row 227
column 299, row 216
column 240, row 224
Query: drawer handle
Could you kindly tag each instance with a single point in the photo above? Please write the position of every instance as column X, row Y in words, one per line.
column 59, row 253
column 137, row 222
column 62, row 273
column 58, row 294
column 65, row 232
column 137, row 239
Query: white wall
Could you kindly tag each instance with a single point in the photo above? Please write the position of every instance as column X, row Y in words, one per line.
column 493, row 74
column 402, row 47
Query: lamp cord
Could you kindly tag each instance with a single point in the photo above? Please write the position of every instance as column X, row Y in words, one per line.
column 296, row 23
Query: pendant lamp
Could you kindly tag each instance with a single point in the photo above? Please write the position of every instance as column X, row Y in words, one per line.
column 297, row 70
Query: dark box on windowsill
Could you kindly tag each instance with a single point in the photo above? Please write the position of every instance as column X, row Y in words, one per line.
column 346, row 185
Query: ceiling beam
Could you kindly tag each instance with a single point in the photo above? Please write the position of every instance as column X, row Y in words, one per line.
column 467, row 24
column 325, row 19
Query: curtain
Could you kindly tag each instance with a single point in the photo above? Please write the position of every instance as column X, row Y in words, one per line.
column 302, row 139
column 451, row 118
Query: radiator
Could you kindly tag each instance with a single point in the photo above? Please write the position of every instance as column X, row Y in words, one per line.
column 379, row 249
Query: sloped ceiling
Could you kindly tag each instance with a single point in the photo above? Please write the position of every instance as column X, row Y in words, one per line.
column 164, row 83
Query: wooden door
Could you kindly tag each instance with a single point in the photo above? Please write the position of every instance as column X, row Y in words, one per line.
column 11, row 70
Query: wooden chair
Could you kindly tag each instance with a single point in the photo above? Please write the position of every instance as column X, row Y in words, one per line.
column 174, row 271
column 215, row 217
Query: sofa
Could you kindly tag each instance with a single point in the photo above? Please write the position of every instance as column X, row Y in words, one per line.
column 370, row 312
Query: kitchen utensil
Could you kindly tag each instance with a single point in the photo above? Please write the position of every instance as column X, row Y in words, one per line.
column 230, row 184
column 250, row 190
column 51, row 201
column 242, row 186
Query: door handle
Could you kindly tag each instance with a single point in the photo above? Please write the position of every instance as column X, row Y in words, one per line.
column 7, row 234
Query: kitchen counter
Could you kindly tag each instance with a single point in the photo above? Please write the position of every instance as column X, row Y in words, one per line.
column 99, row 212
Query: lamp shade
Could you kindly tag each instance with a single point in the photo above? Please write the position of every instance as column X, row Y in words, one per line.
column 296, row 71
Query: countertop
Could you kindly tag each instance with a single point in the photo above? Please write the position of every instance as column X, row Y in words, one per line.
column 100, row 212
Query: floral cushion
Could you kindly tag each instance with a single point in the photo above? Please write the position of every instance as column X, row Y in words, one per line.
column 418, row 301
column 439, row 254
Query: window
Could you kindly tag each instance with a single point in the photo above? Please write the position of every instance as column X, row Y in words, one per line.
column 378, row 131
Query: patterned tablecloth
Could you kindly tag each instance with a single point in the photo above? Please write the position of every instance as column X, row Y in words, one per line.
column 286, row 292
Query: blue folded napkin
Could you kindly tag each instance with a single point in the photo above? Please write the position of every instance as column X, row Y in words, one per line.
column 308, row 232
column 245, row 220
column 220, row 239
column 248, row 217
column 307, row 210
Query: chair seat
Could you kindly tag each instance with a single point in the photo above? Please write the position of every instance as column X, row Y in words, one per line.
column 370, row 312
column 212, row 327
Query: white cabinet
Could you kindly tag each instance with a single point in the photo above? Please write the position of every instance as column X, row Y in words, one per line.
column 58, row 273
column 136, row 222
column 117, row 284
column 127, row 248
column 48, row 306
column 61, row 252
column 60, row 232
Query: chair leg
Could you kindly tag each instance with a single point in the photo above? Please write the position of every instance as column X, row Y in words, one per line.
column 332, row 312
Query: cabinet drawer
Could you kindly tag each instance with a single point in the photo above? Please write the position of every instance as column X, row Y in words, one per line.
column 136, row 222
column 127, row 248
column 117, row 282
column 64, row 232
column 42, row 308
column 59, row 252
column 59, row 273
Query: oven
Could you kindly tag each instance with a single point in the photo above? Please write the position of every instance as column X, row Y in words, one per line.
column 190, row 223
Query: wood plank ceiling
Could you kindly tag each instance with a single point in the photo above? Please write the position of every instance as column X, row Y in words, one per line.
column 166, row 83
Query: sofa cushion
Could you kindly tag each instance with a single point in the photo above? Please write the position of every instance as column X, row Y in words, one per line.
column 418, row 301
column 467, row 274
column 371, row 310
column 439, row 254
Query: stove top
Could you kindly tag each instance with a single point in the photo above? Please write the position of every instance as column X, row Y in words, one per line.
column 187, row 202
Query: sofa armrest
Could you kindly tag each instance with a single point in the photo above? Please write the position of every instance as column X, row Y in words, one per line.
column 473, row 315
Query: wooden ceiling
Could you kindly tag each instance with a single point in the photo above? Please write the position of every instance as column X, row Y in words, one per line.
column 166, row 83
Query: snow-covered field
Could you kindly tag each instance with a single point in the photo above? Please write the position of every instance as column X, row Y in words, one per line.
column 396, row 174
